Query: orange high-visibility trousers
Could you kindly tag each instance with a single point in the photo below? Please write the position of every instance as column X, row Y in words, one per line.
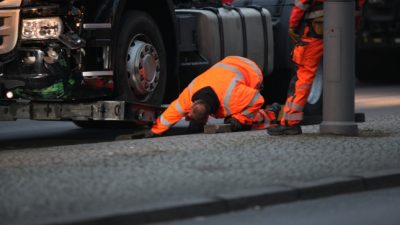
column 307, row 58
column 263, row 119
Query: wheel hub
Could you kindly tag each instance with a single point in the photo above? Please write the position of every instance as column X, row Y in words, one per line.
column 143, row 69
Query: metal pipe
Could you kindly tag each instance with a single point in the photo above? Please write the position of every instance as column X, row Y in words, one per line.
column 339, row 68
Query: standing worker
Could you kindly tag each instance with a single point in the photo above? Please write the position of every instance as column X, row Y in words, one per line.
column 230, row 89
column 307, row 55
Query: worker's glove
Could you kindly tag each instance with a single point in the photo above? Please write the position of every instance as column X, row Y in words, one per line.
column 235, row 124
column 294, row 35
column 275, row 108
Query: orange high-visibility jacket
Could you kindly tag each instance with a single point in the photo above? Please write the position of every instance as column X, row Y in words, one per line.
column 310, row 9
column 235, row 80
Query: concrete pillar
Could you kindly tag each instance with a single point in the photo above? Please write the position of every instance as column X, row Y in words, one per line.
column 339, row 68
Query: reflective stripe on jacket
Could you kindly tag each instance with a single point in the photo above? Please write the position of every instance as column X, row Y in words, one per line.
column 310, row 9
column 236, row 82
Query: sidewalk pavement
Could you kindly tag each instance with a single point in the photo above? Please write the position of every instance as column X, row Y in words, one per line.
column 150, row 180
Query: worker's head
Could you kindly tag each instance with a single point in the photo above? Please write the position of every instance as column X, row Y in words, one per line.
column 199, row 111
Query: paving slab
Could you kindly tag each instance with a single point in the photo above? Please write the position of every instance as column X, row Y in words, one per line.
column 91, row 181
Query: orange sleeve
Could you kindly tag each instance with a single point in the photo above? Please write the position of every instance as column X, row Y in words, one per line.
column 295, row 17
column 298, row 10
column 263, row 119
column 175, row 111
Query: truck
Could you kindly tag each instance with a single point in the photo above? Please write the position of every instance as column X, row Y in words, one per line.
column 85, row 61
column 109, row 62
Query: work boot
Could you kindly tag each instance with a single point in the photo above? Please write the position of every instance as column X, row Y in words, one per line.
column 276, row 109
column 284, row 130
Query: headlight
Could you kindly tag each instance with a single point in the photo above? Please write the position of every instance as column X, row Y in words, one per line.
column 41, row 29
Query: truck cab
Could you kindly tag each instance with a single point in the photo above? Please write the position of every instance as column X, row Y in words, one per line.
column 57, row 49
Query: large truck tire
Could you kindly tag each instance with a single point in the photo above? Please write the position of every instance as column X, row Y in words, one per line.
column 140, row 66
column 140, row 60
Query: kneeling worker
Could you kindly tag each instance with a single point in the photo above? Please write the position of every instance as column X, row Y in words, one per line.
column 230, row 89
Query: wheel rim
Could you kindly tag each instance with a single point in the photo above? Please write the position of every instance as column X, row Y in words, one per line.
column 142, row 67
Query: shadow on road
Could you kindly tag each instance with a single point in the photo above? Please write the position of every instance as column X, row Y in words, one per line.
column 34, row 134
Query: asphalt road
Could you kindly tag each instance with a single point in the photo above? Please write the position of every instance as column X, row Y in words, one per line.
column 55, row 172
column 367, row 208
column 375, row 100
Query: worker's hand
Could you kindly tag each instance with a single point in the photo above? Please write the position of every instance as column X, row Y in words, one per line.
column 294, row 35
column 235, row 124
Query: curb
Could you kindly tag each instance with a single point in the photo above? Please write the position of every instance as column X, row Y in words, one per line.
column 328, row 187
column 268, row 196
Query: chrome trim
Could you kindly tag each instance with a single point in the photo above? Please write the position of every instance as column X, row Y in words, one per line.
column 93, row 26
column 97, row 73
column 9, row 30
column 106, row 58
column 10, row 3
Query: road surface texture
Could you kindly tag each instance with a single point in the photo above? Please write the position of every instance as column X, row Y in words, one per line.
column 367, row 208
column 59, row 184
